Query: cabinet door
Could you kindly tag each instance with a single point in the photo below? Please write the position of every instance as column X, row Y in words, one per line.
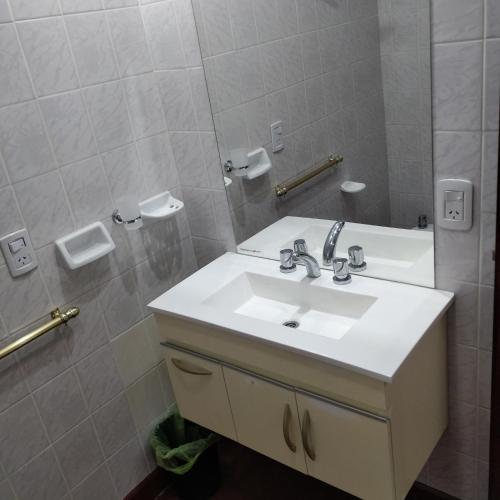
column 265, row 417
column 346, row 449
column 200, row 391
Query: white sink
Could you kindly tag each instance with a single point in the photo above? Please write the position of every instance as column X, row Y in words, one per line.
column 369, row 326
column 395, row 254
column 292, row 304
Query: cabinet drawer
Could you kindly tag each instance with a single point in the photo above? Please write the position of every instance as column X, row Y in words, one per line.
column 347, row 449
column 266, row 418
column 200, row 391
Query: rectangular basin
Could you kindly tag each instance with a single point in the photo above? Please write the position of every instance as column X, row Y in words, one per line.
column 321, row 311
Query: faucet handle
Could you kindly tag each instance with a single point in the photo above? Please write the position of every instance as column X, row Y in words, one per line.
column 300, row 246
column 356, row 258
column 341, row 274
column 287, row 263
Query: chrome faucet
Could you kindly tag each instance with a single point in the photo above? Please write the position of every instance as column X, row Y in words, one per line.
column 330, row 247
column 302, row 256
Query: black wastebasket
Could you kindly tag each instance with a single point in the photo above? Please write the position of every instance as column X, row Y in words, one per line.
column 190, row 452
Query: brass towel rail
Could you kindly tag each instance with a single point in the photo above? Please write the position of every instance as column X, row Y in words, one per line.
column 282, row 189
column 58, row 318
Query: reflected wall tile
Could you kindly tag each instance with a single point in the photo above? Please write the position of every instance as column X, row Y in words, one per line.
column 277, row 109
column 12, row 384
column 11, row 218
column 21, row 435
column 144, row 105
column 14, row 80
column 6, row 491
column 201, row 99
column 492, row 18
column 97, row 486
column 147, row 399
column 457, row 20
column 188, row 32
column 315, row 99
column 92, row 47
column 483, row 434
column 129, row 38
column 60, row 404
column 44, row 208
column 216, row 22
column 108, row 112
column 163, row 35
column 128, row 467
column 486, row 308
column 48, row 54
column 462, row 373
column 99, row 378
column 175, row 92
column 488, row 234
column 293, row 61
column 87, row 190
column 78, row 453
column 26, row 9
column 212, row 160
column 3, row 173
column 72, row 6
column 23, row 142
column 40, row 478
column 226, row 80
column 311, row 54
column 249, row 68
column 273, row 69
column 243, row 23
column 297, row 106
column 489, row 176
column 115, row 4
column 199, row 208
column 68, row 127
column 120, row 303
column 307, row 15
column 266, row 18
column 124, row 175
column 16, row 293
column 458, row 86
column 256, row 123
column 4, row 12
column 492, row 84
column 114, row 424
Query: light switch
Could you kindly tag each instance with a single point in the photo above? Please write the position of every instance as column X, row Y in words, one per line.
column 454, row 204
column 277, row 136
column 18, row 252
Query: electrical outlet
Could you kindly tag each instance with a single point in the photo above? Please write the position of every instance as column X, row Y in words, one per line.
column 454, row 204
column 18, row 252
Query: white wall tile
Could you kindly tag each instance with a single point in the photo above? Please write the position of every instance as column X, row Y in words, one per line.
column 273, row 69
column 23, row 142
column 49, row 57
column 454, row 20
column 92, row 48
column 201, row 100
column 26, row 9
column 68, row 127
column 97, row 485
column 14, row 79
column 72, row 6
column 108, row 112
column 458, row 86
column 243, row 23
column 11, row 218
column 492, row 84
column 114, row 4
column 492, row 18
column 129, row 39
column 45, row 211
column 188, row 32
column 187, row 152
column 4, row 12
column 489, row 172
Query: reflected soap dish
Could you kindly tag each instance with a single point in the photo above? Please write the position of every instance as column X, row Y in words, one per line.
column 85, row 245
column 352, row 187
column 161, row 206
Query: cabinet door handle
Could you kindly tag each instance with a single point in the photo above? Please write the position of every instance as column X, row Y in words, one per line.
column 287, row 417
column 186, row 367
column 306, row 435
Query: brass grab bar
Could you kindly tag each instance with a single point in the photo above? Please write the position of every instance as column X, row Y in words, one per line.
column 282, row 189
column 58, row 318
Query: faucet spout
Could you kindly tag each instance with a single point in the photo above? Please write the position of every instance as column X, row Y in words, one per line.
column 300, row 255
column 330, row 246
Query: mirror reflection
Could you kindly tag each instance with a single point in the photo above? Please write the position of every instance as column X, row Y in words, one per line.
column 322, row 110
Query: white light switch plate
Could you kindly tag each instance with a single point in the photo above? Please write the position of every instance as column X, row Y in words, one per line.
column 18, row 252
column 277, row 136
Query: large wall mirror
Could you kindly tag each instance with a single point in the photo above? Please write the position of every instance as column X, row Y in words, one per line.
column 344, row 87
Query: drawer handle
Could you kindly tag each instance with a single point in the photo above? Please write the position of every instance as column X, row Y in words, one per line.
column 186, row 367
column 287, row 417
column 306, row 434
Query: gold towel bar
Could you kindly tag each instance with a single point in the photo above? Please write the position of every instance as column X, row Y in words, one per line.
column 282, row 189
column 58, row 318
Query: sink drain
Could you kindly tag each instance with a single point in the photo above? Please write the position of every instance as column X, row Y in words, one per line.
column 291, row 324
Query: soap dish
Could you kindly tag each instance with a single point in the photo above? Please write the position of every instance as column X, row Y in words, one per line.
column 352, row 187
column 161, row 206
column 85, row 245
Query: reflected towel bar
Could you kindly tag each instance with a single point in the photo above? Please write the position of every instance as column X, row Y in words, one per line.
column 282, row 189
column 58, row 318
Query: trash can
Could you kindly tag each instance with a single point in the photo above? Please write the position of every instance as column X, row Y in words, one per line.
column 190, row 452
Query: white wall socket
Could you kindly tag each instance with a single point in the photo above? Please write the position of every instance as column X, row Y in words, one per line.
column 18, row 252
column 454, row 204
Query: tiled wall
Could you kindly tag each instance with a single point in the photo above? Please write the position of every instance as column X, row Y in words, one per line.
column 97, row 100
column 466, row 86
column 405, row 48
column 314, row 65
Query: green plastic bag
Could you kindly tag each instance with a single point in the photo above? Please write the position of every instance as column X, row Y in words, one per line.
column 177, row 443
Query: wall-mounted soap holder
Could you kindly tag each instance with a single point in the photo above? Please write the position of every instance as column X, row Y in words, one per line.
column 352, row 187
column 251, row 165
column 85, row 245
column 161, row 206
